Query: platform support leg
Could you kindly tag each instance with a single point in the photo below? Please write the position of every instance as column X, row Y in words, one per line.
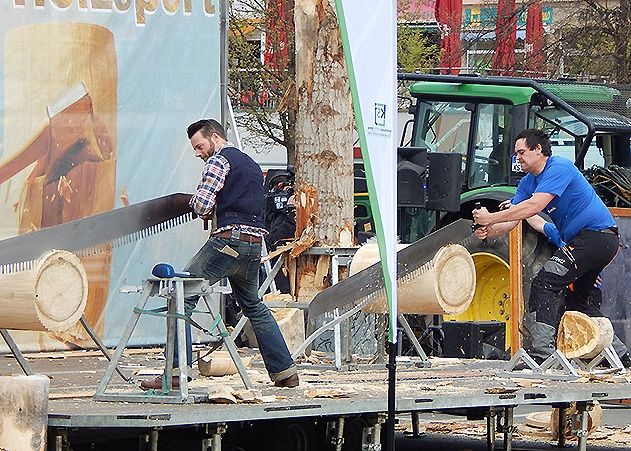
column 415, row 343
column 232, row 350
column 582, row 433
column 371, row 435
column 562, row 420
column 180, row 332
column 508, row 428
column 118, row 353
column 335, row 431
column 415, row 425
column 101, row 346
column 212, row 441
column 61, row 440
column 490, row 430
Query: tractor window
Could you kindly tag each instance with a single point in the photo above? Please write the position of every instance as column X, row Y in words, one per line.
column 443, row 127
column 493, row 148
column 563, row 144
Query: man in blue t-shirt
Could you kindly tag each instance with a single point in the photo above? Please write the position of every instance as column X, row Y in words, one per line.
column 554, row 186
column 588, row 304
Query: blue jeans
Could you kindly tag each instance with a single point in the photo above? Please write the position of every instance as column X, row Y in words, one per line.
column 239, row 261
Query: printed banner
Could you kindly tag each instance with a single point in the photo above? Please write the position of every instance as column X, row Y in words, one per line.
column 370, row 48
column 95, row 98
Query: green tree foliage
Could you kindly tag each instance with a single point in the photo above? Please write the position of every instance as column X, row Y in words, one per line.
column 417, row 51
column 595, row 41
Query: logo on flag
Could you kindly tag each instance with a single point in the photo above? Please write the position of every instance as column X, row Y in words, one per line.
column 380, row 114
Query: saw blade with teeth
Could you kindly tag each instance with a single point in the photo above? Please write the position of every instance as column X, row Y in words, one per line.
column 96, row 234
column 367, row 285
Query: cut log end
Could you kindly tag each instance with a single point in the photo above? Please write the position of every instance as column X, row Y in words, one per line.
column 581, row 336
column 50, row 297
column 444, row 285
column 455, row 278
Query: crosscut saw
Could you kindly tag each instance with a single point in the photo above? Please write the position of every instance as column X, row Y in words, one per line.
column 367, row 285
column 88, row 236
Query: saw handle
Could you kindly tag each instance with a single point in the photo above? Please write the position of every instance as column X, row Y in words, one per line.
column 475, row 226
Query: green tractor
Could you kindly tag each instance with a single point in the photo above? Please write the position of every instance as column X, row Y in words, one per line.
column 478, row 118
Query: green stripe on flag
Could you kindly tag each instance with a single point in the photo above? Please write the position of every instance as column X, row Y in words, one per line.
column 372, row 193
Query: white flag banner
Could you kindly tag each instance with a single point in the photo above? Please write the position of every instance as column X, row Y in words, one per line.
column 369, row 35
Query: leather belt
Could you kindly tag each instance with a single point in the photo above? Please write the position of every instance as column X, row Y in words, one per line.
column 242, row 236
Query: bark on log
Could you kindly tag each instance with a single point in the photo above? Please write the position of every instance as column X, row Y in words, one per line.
column 572, row 420
column 581, row 336
column 444, row 285
column 324, row 121
column 23, row 412
column 50, row 297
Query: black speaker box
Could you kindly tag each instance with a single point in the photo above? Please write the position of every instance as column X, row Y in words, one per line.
column 444, row 182
column 411, row 176
column 474, row 339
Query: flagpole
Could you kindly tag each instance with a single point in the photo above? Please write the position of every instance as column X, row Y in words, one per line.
column 392, row 379
column 367, row 33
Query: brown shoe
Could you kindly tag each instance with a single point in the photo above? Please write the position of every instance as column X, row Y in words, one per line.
column 289, row 382
column 156, row 384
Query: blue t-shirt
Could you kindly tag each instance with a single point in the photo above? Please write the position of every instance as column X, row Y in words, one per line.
column 575, row 205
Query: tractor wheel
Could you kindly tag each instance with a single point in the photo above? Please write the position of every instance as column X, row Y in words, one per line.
column 491, row 301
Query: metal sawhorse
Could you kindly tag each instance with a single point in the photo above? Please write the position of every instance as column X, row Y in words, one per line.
column 26, row 368
column 174, row 290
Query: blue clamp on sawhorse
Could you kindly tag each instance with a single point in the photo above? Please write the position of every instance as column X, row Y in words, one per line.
column 175, row 287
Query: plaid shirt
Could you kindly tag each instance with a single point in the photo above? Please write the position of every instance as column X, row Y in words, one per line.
column 213, row 178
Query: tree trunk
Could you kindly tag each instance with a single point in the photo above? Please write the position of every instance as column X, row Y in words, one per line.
column 324, row 136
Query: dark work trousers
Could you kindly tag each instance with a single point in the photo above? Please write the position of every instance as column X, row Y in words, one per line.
column 578, row 263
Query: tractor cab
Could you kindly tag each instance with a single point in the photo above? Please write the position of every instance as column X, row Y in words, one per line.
column 479, row 117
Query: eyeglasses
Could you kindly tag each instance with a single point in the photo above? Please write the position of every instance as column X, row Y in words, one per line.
column 520, row 152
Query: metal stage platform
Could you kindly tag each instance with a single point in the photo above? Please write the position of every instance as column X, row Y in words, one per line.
column 449, row 384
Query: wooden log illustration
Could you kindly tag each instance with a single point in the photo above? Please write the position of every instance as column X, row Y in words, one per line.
column 60, row 123
column 49, row 297
column 444, row 285
column 581, row 336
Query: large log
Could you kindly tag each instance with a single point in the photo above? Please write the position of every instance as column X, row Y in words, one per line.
column 444, row 285
column 581, row 336
column 49, row 297
column 24, row 412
